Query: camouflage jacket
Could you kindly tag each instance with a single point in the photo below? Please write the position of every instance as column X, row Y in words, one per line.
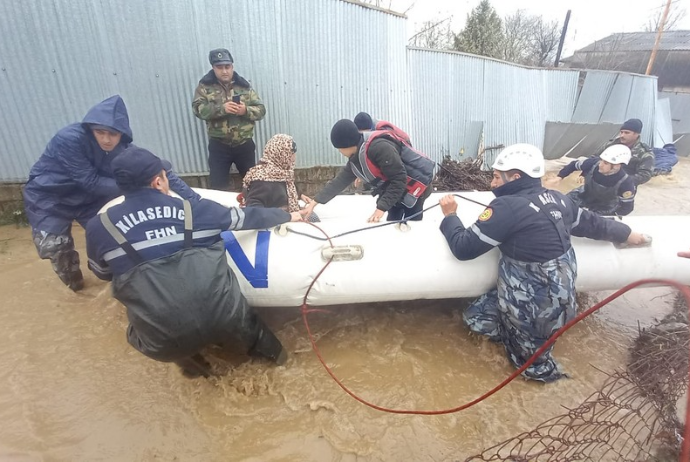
column 641, row 165
column 231, row 129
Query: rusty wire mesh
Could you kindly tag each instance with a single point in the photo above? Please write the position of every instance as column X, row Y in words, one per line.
column 632, row 417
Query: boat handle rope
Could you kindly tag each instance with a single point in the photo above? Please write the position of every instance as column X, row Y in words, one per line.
column 381, row 225
column 306, row 310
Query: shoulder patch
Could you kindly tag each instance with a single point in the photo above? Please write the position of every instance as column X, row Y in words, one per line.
column 627, row 194
column 486, row 214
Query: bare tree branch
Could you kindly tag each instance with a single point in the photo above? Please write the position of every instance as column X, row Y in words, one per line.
column 675, row 15
column 428, row 26
column 529, row 40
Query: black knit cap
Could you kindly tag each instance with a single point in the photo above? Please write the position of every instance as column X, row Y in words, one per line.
column 634, row 125
column 345, row 134
column 364, row 121
column 135, row 167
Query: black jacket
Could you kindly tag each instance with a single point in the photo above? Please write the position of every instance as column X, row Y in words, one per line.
column 266, row 194
column 383, row 153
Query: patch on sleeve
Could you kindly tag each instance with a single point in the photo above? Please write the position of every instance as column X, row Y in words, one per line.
column 627, row 195
column 486, row 214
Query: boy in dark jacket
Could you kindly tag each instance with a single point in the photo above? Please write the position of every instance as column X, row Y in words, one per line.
column 401, row 177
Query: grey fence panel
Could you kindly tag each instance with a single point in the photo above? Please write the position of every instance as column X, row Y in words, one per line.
column 311, row 61
column 595, row 93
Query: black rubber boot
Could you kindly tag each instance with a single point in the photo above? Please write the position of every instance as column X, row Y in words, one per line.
column 268, row 346
column 66, row 265
column 194, row 366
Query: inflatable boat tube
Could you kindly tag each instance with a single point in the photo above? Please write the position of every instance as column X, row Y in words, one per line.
column 410, row 262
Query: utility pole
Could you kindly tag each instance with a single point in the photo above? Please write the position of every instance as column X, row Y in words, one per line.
column 560, row 43
column 658, row 38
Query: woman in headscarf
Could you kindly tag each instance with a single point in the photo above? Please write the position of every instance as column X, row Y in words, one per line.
column 271, row 183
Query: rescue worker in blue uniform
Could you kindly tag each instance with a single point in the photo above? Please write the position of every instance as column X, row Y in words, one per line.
column 168, row 265
column 400, row 176
column 641, row 165
column 607, row 189
column 73, row 179
column 531, row 226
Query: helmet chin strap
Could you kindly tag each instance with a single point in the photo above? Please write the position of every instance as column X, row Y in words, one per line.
column 504, row 177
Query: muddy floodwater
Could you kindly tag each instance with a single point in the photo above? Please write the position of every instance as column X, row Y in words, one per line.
column 72, row 389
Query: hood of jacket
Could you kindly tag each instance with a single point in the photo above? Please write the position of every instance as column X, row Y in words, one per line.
column 210, row 79
column 112, row 113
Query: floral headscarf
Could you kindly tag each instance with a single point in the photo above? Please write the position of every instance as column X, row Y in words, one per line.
column 277, row 164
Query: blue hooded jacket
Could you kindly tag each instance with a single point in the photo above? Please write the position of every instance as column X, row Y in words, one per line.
column 665, row 158
column 74, row 175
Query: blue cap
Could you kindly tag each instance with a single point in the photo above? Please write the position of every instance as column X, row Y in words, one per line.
column 135, row 167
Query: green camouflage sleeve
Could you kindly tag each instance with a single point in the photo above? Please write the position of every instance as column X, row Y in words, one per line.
column 204, row 107
column 645, row 167
column 255, row 107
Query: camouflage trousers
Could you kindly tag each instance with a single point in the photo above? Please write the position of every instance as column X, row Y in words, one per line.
column 64, row 259
column 530, row 303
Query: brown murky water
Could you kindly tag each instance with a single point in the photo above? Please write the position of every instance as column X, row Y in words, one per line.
column 71, row 388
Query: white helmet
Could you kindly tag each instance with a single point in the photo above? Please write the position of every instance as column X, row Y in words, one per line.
column 616, row 154
column 524, row 157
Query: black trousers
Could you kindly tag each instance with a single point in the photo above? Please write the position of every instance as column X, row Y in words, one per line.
column 221, row 156
column 399, row 211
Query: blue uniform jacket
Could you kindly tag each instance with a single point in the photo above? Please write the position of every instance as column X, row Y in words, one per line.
column 520, row 221
column 74, row 174
column 626, row 191
column 153, row 223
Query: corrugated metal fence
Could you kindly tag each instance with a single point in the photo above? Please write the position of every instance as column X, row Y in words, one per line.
column 312, row 62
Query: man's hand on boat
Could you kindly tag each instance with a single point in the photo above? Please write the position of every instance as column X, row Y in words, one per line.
column 306, row 211
column 296, row 216
column 376, row 216
column 638, row 239
column 448, row 205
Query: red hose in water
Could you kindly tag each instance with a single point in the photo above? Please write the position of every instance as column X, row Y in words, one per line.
column 685, row 449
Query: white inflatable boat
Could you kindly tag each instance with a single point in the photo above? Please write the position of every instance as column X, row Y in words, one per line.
column 275, row 267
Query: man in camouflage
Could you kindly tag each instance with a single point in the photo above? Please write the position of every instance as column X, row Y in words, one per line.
column 641, row 165
column 230, row 107
column 531, row 226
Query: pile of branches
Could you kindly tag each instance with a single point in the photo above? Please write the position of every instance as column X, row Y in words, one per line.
column 659, row 363
column 466, row 175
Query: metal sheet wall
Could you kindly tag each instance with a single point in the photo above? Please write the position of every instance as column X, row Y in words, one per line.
column 306, row 58
column 663, row 132
column 459, row 99
column 680, row 109
column 312, row 61
column 615, row 97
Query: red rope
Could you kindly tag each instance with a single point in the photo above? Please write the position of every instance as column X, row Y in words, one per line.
column 685, row 450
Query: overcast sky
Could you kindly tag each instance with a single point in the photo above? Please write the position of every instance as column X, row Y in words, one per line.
column 590, row 20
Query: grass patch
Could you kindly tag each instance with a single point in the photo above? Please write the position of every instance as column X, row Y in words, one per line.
column 13, row 214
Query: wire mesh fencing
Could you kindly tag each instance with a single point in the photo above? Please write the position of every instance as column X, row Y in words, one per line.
column 632, row 417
